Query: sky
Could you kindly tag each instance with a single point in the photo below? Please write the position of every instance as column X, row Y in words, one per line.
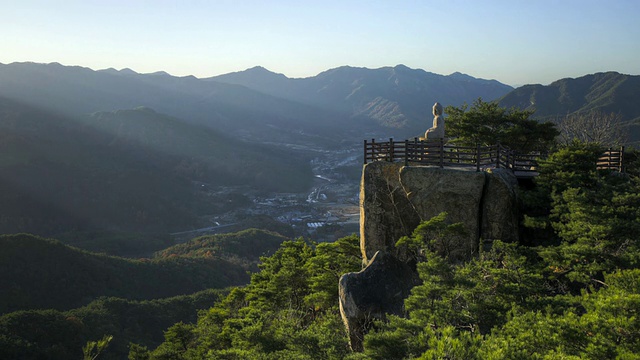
column 516, row 42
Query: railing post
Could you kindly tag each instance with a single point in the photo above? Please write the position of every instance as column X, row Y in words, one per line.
column 610, row 165
column 621, row 169
column 498, row 156
column 390, row 149
column 374, row 155
column 406, row 152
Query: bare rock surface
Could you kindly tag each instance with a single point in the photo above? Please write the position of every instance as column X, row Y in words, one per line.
column 432, row 190
column 500, row 219
column 386, row 214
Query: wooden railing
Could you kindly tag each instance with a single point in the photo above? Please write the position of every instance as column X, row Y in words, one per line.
column 611, row 160
column 437, row 153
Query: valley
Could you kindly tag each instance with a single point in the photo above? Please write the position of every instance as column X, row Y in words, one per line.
column 327, row 211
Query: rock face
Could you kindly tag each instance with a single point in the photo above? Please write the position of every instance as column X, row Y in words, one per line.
column 394, row 199
column 386, row 214
column 499, row 208
column 458, row 192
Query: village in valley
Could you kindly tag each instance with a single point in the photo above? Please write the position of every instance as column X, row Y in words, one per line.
column 328, row 211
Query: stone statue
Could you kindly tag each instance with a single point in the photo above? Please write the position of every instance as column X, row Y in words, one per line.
column 437, row 130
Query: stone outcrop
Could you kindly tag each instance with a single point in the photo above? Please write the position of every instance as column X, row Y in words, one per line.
column 372, row 293
column 394, row 199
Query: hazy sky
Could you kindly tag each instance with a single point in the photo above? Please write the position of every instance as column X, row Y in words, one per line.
column 515, row 42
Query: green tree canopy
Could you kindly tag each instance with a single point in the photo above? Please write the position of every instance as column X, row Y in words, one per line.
column 486, row 123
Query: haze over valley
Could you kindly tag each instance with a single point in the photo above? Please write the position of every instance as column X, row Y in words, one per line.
column 117, row 151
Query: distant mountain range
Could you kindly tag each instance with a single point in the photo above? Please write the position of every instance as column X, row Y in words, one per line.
column 607, row 92
column 231, row 109
column 257, row 104
column 341, row 104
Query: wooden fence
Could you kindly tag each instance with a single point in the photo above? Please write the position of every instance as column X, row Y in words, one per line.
column 612, row 160
column 437, row 153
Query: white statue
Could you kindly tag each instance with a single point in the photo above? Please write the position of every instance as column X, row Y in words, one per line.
column 437, row 130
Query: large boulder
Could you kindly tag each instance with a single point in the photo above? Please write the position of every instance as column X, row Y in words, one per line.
column 379, row 289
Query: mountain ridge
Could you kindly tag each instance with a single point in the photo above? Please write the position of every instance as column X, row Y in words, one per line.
column 604, row 91
column 233, row 109
column 394, row 97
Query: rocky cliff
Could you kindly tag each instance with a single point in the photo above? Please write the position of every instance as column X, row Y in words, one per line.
column 394, row 199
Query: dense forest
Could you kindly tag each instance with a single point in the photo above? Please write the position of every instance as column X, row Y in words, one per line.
column 56, row 298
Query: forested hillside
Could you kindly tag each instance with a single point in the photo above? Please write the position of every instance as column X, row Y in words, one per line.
column 45, row 282
column 246, row 247
column 37, row 273
column 53, row 334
